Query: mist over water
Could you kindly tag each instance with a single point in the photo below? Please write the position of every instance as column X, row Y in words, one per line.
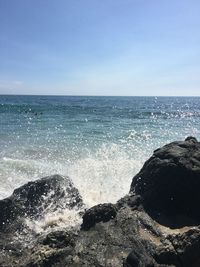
column 99, row 142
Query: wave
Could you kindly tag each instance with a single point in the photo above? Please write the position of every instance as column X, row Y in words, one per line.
column 58, row 219
column 102, row 175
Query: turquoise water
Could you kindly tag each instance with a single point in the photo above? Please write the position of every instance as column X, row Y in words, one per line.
column 100, row 142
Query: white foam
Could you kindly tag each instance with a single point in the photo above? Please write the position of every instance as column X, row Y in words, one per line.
column 55, row 220
column 101, row 175
column 104, row 176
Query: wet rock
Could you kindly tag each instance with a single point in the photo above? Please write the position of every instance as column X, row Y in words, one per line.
column 169, row 184
column 47, row 257
column 139, row 257
column 130, row 200
column 34, row 198
column 59, row 239
column 99, row 213
column 9, row 211
column 155, row 225
column 187, row 246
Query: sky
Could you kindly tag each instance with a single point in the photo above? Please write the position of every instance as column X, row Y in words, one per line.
column 100, row 47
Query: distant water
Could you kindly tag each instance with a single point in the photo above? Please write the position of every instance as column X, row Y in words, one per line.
column 100, row 142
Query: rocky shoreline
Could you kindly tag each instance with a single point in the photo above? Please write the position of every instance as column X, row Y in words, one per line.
column 155, row 224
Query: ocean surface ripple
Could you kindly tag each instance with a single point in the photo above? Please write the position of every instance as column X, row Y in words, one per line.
column 99, row 142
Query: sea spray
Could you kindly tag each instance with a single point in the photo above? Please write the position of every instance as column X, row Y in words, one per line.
column 99, row 142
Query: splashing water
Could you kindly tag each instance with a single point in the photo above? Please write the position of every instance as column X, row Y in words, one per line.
column 99, row 142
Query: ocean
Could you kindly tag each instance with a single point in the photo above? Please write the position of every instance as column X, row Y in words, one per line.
column 99, row 142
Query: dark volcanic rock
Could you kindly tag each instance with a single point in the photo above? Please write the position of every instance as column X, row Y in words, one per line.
column 99, row 213
column 134, row 232
column 55, row 190
column 105, row 244
column 9, row 211
column 139, row 257
column 169, row 183
column 43, row 195
column 187, row 246
column 59, row 239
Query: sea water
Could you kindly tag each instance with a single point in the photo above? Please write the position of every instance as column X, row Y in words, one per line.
column 99, row 142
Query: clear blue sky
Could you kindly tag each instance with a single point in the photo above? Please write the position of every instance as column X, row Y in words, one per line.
column 100, row 47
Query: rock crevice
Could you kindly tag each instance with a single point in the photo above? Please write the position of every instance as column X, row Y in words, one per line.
column 155, row 225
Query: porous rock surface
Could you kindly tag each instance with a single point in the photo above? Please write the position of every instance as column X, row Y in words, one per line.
column 155, row 225
column 169, row 183
column 36, row 197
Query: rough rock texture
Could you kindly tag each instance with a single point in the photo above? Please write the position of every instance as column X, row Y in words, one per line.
column 169, row 183
column 34, row 198
column 99, row 213
column 155, row 225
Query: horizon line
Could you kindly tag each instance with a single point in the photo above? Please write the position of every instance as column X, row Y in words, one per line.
column 60, row 95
